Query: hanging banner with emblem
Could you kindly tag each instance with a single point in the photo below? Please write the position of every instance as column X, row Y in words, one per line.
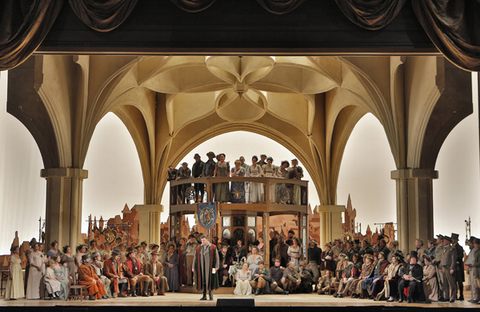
column 207, row 214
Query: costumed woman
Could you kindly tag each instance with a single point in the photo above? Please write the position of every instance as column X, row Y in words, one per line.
column 242, row 278
column 237, row 192
column 35, row 273
column 53, row 285
column 62, row 275
column 171, row 268
column 15, row 289
column 254, row 259
column 222, row 170
column 294, row 252
column 255, row 189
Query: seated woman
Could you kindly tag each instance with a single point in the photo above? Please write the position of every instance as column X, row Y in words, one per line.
column 61, row 273
column 242, row 278
column 430, row 286
column 226, row 261
column 254, row 259
column 53, row 285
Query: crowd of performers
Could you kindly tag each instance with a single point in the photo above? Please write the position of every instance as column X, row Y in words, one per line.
column 351, row 268
column 254, row 192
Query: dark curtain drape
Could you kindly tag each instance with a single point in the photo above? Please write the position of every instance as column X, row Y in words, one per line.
column 103, row 15
column 24, row 24
column 193, row 6
column 454, row 28
column 280, row 6
column 370, row 14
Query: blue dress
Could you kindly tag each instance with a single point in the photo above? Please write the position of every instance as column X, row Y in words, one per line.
column 171, row 273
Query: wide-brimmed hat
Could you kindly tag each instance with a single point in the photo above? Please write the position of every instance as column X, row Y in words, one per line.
column 153, row 253
column 95, row 254
column 211, row 154
column 196, row 155
column 85, row 257
column 447, row 238
column 117, row 252
column 440, row 236
column 368, row 256
column 184, row 163
column 477, row 241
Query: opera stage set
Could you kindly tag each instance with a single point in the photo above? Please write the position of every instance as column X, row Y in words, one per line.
column 180, row 72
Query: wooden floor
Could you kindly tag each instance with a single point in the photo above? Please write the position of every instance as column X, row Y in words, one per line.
column 192, row 300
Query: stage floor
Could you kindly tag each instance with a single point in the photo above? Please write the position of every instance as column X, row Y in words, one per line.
column 192, row 300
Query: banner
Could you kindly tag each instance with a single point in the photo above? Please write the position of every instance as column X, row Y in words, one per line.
column 207, row 214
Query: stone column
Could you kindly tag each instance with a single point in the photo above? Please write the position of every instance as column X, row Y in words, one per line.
column 414, row 205
column 149, row 223
column 330, row 222
column 64, row 204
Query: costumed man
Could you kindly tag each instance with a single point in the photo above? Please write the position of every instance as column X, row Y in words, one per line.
column 172, row 176
column 378, row 274
column 291, row 235
column 411, row 276
column 349, row 251
column 469, row 264
column 226, row 261
column 198, row 170
column 87, row 277
column 154, row 270
column 437, row 258
column 134, row 271
column 206, row 263
column 459, row 269
column 114, row 271
column 276, row 272
column 261, row 279
column 336, row 249
column 189, row 252
column 273, row 243
column 306, row 276
column 184, row 173
column 326, row 283
column 366, row 249
column 281, row 250
column 263, row 160
column 291, row 278
column 448, row 266
column 349, row 275
column 356, row 245
column 314, row 259
column 420, row 250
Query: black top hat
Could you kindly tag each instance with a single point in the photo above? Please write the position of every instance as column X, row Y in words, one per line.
column 454, row 236
column 414, row 254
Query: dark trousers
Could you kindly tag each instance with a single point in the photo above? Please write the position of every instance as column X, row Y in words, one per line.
column 411, row 292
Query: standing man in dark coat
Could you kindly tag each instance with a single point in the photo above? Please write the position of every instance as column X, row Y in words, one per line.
column 448, row 264
column 411, row 276
column 314, row 259
column 206, row 263
column 198, row 171
column 459, row 269
column 209, row 167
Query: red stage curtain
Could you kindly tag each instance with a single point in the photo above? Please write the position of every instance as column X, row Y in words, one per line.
column 103, row 15
column 193, row 6
column 23, row 26
column 454, row 28
column 280, row 6
column 371, row 14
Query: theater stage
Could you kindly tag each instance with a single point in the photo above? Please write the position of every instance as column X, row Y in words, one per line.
column 191, row 302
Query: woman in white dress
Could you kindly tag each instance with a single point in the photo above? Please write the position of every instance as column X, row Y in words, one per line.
column 254, row 259
column 242, row 280
column 53, row 285
column 255, row 189
column 294, row 252
column 15, row 288
column 270, row 171
column 35, row 273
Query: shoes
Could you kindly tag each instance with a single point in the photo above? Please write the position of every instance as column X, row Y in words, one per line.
column 460, row 298
column 145, row 294
column 474, row 301
column 285, row 292
column 400, row 301
column 409, row 300
column 442, row 300
column 257, row 292
column 134, row 294
column 122, row 294
column 370, row 297
column 91, row 298
column 452, row 300
column 390, row 300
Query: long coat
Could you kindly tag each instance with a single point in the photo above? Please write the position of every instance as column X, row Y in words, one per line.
column 204, row 261
column 87, row 277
